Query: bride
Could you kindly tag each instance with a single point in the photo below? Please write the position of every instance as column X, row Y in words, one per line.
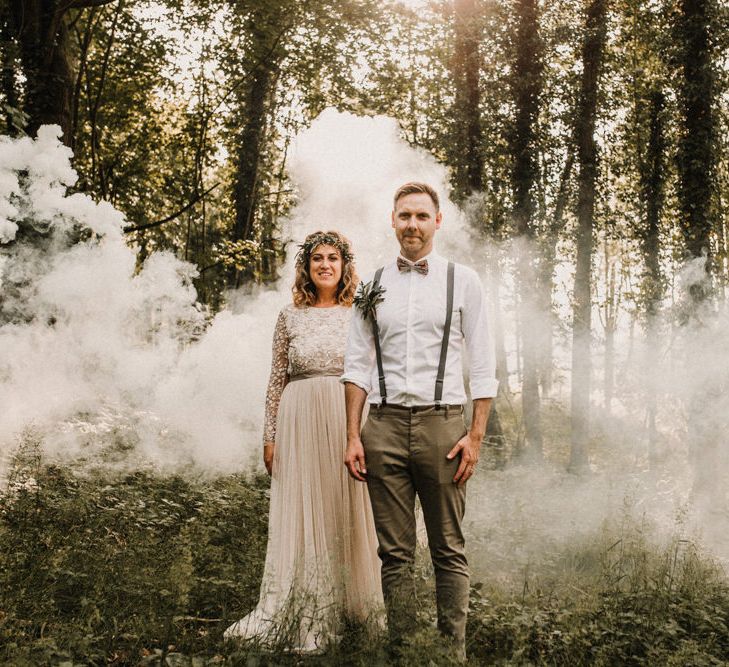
column 321, row 558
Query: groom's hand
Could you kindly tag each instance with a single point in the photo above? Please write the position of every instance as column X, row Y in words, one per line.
column 354, row 459
column 469, row 447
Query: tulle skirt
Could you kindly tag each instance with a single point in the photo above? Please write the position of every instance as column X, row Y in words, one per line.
column 321, row 558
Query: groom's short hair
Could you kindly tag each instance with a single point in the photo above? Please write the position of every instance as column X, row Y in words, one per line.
column 413, row 188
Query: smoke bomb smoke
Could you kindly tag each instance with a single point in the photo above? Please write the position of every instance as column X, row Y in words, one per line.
column 124, row 369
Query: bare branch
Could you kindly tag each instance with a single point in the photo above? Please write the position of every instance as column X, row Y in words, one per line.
column 95, row 109
column 276, row 193
column 83, row 4
column 258, row 62
column 84, row 43
column 212, row 266
column 139, row 228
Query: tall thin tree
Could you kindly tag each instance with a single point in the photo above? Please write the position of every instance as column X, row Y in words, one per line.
column 266, row 28
column 468, row 171
column 696, row 152
column 695, row 40
column 47, row 59
column 526, row 85
column 652, row 192
column 593, row 48
column 468, row 168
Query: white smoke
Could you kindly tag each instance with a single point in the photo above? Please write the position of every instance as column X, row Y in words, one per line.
column 347, row 169
column 125, row 368
column 110, row 362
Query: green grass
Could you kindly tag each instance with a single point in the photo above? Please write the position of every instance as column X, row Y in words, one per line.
column 95, row 568
column 624, row 601
column 127, row 569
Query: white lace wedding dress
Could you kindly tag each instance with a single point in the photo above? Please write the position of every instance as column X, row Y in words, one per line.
column 321, row 559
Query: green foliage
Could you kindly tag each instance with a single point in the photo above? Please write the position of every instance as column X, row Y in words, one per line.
column 171, row 97
column 122, row 121
column 145, row 129
column 142, row 569
column 240, row 254
column 627, row 602
column 95, row 566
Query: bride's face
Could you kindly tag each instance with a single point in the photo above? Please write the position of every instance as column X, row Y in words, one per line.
column 325, row 267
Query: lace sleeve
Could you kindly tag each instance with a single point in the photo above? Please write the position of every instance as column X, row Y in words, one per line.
column 278, row 378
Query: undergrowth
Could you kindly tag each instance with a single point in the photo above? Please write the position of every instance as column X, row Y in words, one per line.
column 138, row 568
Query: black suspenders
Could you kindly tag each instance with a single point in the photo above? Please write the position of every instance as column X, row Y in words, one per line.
column 378, row 351
column 443, row 346
column 446, row 336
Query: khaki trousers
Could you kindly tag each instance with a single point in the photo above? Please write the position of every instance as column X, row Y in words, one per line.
column 405, row 455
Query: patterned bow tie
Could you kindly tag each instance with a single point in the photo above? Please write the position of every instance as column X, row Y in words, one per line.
column 420, row 267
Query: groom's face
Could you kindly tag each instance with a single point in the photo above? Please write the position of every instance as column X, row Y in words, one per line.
column 415, row 220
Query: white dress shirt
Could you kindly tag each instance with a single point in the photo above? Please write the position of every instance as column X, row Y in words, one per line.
column 411, row 320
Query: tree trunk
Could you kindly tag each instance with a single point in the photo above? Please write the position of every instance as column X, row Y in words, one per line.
column 696, row 172
column 526, row 84
column 266, row 28
column 494, row 431
column 502, row 366
column 720, row 260
column 9, row 75
column 612, row 307
column 593, row 47
column 468, row 172
column 653, row 178
column 250, row 143
column 100, row 171
column 545, row 334
column 696, row 152
column 609, row 362
column 45, row 54
column 545, row 278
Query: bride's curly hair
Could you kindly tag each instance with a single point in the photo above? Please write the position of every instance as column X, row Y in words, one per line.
column 304, row 290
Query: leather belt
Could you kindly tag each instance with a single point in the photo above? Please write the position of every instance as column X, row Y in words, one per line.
column 415, row 409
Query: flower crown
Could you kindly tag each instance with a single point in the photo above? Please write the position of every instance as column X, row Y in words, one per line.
column 322, row 238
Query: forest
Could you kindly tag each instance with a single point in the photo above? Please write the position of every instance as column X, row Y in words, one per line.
column 160, row 162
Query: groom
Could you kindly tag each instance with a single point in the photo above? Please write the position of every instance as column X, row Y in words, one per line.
column 404, row 356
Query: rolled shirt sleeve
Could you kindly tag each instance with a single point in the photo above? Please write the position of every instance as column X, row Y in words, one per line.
column 479, row 340
column 359, row 355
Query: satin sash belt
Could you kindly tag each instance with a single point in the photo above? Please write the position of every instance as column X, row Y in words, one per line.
column 307, row 376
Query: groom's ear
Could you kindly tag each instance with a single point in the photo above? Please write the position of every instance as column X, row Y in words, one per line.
column 392, row 219
column 438, row 219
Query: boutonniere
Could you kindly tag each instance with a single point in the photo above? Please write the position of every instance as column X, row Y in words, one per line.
column 367, row 298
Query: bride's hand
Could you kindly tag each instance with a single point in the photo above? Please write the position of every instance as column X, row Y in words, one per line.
column 268, row 449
